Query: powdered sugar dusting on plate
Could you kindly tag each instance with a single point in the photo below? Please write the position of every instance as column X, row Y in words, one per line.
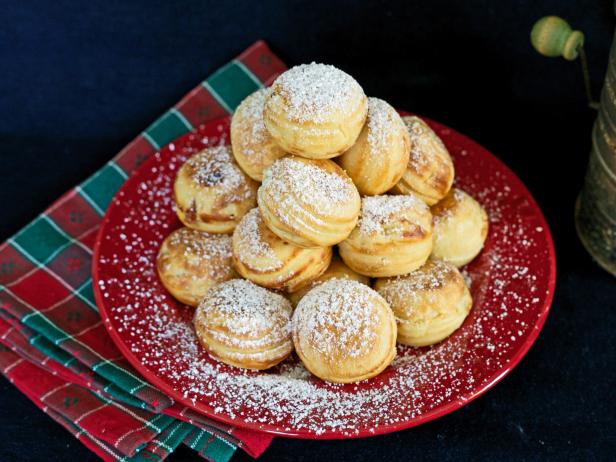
column 509, row 283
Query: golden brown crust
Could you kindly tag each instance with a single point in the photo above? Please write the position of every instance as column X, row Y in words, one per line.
column 380, row 156
column 430, row 170
column 262, row 257
column 344, row 331
column 189, row 262
column 429, row 303
column 460, row 228
column 336, row 269
column 245, row 325
column 253, row 147
column 309, row 203
column 392, row 237
column 211, row 192
column 315, row 111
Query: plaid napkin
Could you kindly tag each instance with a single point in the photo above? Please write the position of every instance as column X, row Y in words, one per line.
column 53, row 345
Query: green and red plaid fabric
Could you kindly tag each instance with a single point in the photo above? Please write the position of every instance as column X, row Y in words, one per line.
column 53, row 345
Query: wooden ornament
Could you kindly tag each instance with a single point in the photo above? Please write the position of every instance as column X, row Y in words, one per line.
column 552, row 36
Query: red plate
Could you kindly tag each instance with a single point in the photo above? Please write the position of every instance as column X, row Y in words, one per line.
column 512, row 283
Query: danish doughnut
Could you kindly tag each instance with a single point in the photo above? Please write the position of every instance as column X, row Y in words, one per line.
column 344, row 331
column 267, row 260
column 460, row 228
column 315, row 111
column 380, row 156
column 253, row 147
column 430, row 171
column 429, row 303
column 211, row 192
column 309, row 203
column 190, row 262
column 245, row 325
column 393, row 236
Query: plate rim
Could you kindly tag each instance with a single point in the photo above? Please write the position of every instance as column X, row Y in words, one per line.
column 433, row 414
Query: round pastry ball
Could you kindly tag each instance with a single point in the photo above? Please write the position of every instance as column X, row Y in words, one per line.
column 315, row 111
column 460, row 228
column 189, row 262
column 211, row 192
column 429, row 303
column 380, row 156
column 264, row 258
column 393, row 236
column 309, row 203
column 337, row 269
column 430, row 172
column 344, row 331
column 245, row 325
column 253, row 147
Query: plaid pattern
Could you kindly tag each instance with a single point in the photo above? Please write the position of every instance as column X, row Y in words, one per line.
column 53, row 345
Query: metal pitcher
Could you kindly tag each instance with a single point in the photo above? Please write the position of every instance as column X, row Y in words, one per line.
column 595, row 210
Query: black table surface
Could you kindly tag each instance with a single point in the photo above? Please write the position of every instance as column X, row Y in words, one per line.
column 78, row 80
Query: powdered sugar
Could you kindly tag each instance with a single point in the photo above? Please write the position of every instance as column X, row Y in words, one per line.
column 250, row 121
column 423, row 141
column 338, row 318
column 383, row 120
column 216, row 167
column 446, row 210
column 246, row 310
column 297, row 183
column 201, row 254
column 378, row 211
column 200, row 246
column 251, row 245
column 431, row 277
column 313, row 92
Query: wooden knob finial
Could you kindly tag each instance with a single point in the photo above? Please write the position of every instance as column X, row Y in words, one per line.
column 553, row 36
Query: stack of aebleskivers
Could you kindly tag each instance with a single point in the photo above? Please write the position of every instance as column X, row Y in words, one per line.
column 337, row 169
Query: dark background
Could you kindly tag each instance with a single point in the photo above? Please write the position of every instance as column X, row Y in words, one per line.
column 78, row 80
